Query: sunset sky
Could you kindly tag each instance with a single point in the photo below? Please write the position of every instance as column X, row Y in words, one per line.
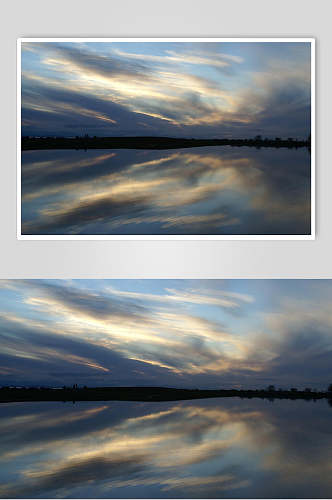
column 181, row 333
column 180, row 89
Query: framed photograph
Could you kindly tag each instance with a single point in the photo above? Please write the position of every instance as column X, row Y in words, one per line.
column 165, row 389
column 171, row 138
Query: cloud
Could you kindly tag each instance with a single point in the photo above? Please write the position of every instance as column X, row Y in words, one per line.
column 78, row 57
column 187, row 57
column 299, row 347
column 157, row 342
column 200, row 90
column 58, row 355
column 217, row 298
column 92, row 304
column 52, row 108
column 186, row 336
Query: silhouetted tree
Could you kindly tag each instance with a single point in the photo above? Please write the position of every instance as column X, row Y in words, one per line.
column 329, row 389
column 271, row 388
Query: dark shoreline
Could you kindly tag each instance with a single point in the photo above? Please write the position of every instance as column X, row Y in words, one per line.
column 147, row 394
column 39, row 143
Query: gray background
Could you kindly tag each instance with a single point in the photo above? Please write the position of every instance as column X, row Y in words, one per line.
column 165, row 259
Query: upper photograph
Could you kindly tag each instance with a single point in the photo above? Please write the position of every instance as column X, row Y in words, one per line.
column 166, row 138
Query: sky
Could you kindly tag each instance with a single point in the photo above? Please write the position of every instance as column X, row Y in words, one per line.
column 176, row 333
column 178, row 89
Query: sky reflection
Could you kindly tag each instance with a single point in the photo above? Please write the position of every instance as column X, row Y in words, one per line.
column 195, row 449
column 189, row 191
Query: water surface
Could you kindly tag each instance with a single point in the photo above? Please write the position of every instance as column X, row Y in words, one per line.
column 217, row 448
column 197, row 191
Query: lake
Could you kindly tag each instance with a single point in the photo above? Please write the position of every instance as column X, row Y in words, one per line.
column 218, row 190
column 213, row 448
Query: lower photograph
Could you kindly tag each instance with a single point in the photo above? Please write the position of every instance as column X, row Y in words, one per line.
column 159, row 388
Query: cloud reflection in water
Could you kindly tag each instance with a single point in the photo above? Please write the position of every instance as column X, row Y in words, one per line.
column 194, row 449
column 190, row 191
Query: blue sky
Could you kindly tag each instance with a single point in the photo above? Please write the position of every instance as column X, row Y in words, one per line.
column 182, row 333
column 197, row 89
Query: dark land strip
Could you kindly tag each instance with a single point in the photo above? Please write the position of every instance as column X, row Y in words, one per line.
column 86, row 142
column 24, row 394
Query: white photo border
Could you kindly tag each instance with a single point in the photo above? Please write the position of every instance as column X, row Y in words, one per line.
column 311, row 236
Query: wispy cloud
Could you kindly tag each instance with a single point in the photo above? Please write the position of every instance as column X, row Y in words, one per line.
column 218, row 298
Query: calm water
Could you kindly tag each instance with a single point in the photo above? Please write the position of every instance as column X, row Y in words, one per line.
column 218, row 448
column 213, row 190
